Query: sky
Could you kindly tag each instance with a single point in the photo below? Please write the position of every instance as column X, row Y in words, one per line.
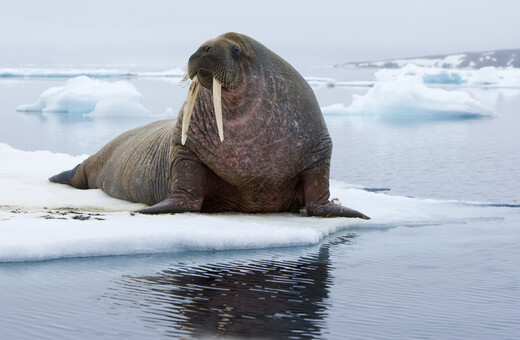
column 318, row 32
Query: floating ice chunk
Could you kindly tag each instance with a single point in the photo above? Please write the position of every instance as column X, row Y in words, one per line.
column 84, row 95
column 335, row 109
column 387, row 74
column 409, row 98
column 494, row 77
column 119, row 107
column 174, row 72
column 485, row 76
column 169, row 111
column 318, row 82
column 443, row 77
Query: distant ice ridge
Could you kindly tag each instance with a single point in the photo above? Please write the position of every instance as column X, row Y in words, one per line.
column 84, row 95
column 489, row 77
column 65, row 72
column 475, row 60
column 486, row 76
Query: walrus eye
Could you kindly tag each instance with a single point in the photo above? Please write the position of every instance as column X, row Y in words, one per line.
column 236, row 51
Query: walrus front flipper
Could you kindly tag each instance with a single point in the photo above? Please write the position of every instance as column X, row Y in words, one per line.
column 316, row 195
column 189, row 178
column 330, row 209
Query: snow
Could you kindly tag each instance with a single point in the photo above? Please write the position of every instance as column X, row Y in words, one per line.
column 409, row 98
column 40, row 220
column 84, row 95
column 452, row 60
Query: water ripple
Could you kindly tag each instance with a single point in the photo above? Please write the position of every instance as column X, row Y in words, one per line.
column 264, row 298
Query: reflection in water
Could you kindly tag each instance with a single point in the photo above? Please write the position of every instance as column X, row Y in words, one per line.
column 260, row 299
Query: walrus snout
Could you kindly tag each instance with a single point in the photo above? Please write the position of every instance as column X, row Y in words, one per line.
column 214, row 59
column 205, row 78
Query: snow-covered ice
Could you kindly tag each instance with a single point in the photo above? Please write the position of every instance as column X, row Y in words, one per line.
column 84, row 95
column 40, row 220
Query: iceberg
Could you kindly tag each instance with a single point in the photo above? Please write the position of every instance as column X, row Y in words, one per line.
column 40, row 220
column 84, row 95
column 409, row 98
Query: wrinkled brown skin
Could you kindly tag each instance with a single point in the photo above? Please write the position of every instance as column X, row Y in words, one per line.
column 275, row 156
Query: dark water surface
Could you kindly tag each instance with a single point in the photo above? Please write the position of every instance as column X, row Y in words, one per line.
column 454, row 279
column 451, row 282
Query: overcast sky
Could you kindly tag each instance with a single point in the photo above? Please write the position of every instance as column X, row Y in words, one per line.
column 318, row 32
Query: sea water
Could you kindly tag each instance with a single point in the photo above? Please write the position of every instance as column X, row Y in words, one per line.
column 454, row 276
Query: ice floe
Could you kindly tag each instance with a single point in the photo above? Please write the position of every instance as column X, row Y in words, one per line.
column 40, row 220
column 84, row 95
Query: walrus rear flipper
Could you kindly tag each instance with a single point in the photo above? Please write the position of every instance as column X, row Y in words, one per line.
column 65, row 177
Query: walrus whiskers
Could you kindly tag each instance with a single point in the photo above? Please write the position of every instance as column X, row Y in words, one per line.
column 189, row 104
column 217, row 103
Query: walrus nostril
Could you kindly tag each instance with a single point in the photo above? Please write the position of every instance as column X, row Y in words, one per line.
column 205, row 77
column 204, row 73
column 205, row 49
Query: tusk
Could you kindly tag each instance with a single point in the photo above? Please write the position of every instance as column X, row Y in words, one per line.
column 189, row 104
column 217, row 103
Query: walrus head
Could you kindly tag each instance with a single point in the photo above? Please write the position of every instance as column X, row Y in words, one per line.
column 215, row 65
column 215, row 59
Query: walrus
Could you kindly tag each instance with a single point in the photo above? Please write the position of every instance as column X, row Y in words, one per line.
column 249, row 138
